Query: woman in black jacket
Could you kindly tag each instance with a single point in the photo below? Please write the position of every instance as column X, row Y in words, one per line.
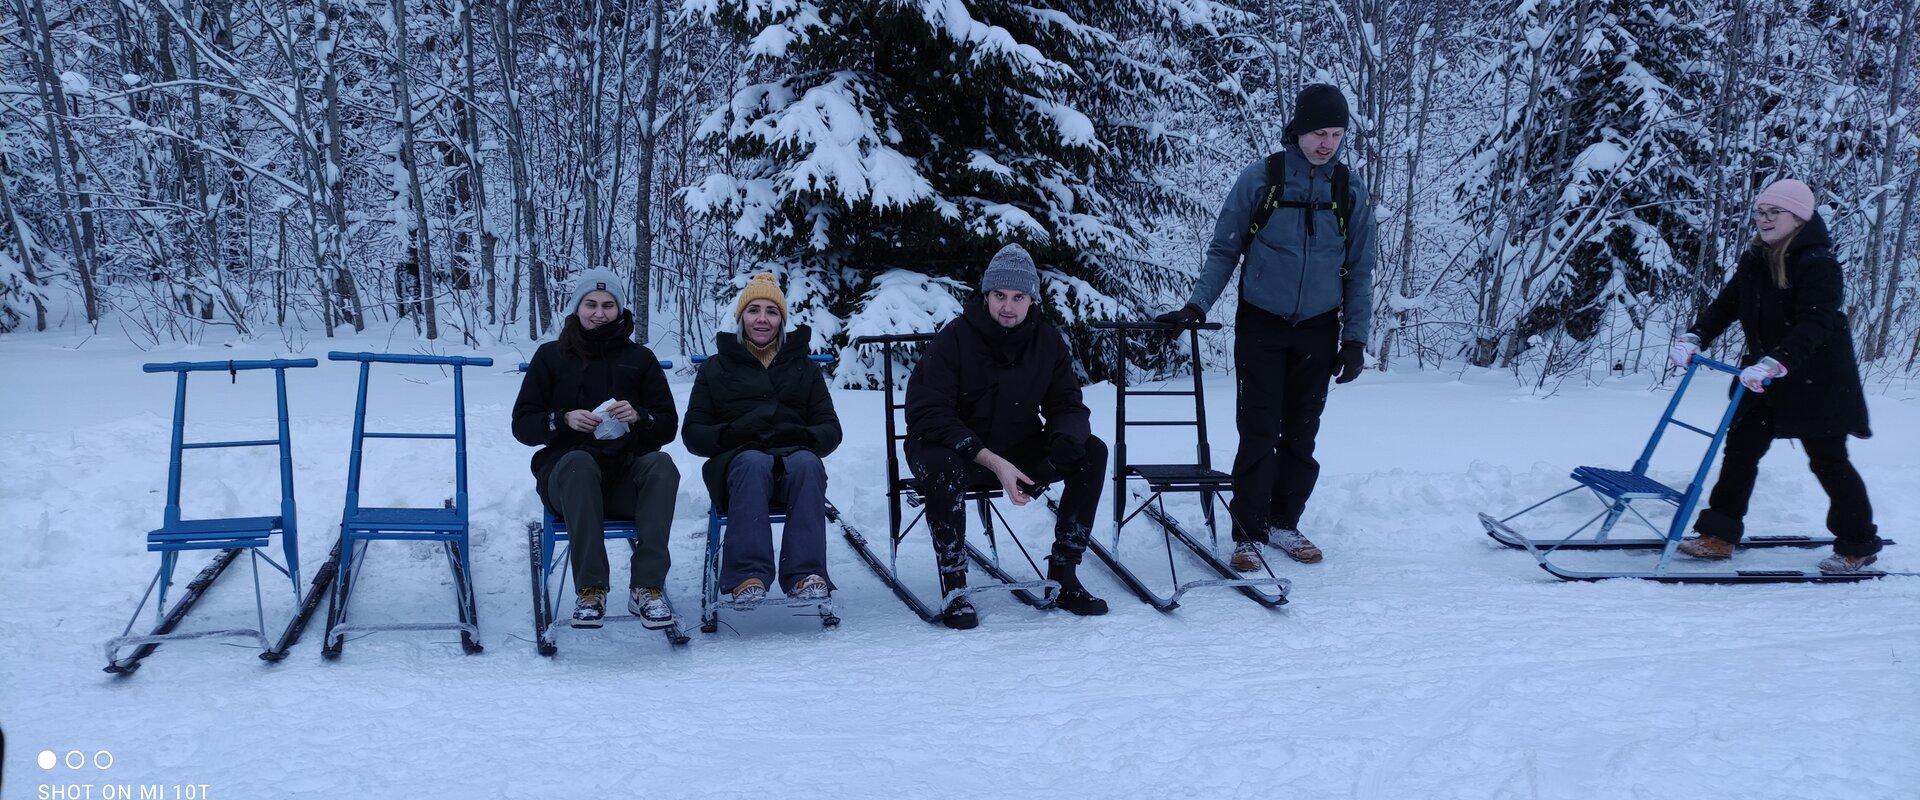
column 1800, row 372
column 994, row 402
column 762, row 416
column 578, row 392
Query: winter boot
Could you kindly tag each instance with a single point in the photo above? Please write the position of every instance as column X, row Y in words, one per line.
column 1708, row 548
column 1073, row 596
column 1246, row 557
column 651, row 606
column 959, row 614
column 1294, row 544
column 812, row 587
column 1837, row 564
column 590, row 609
column 749, row 592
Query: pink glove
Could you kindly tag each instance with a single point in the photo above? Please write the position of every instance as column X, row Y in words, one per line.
column 1684, row 348
column 1755, row 377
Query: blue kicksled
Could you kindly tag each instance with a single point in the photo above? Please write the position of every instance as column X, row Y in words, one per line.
column 228, row 535
column 361, row 525
column 1618, row 490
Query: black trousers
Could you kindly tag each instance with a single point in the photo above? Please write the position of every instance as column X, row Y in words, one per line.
column 1282, row 372
column 944, row 475
column 1849, row 514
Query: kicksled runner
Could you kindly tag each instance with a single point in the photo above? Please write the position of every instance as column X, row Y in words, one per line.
column 1617, row 491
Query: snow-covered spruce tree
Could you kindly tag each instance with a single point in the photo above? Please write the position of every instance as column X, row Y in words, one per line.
column 1584, row 198
column 869, row 136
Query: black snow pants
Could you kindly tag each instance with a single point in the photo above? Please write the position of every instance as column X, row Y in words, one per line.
column 1282, row 371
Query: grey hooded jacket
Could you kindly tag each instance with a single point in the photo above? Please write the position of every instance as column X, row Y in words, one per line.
column 1287, row 272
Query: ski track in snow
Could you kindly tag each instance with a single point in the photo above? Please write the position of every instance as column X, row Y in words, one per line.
column 1419, row 660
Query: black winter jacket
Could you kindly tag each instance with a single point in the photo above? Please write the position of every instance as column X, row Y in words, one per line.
column 737, row 404
column 980, row 385
column 558, row 382
column 1804, row 327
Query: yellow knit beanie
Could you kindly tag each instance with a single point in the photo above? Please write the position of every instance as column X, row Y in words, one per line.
column 761, row 287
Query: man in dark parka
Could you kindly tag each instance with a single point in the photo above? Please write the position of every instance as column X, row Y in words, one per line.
column 994, row 401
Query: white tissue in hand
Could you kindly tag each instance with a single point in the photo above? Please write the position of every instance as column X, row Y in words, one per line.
column 609, row 427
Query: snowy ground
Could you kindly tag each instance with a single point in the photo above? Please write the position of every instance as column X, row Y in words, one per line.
column 1418, row 661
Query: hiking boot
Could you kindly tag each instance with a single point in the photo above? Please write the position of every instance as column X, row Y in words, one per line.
column 651, row 606
column 960, row 615
column 750, row 591
column 1295, row 545
column 590, row 609
column 812, row 587
column 1073, row 597
column 1707, row 548
column 1837, row 564
column 1247, row 558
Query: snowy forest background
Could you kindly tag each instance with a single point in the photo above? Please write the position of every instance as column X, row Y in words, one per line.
column 1559, row 183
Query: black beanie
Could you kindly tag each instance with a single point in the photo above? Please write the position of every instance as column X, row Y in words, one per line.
column 1318, row 106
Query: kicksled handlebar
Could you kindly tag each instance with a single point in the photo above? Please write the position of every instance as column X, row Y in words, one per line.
column 1150, row 325
column 411, row 358
column 228, row 366
column 1716, row 365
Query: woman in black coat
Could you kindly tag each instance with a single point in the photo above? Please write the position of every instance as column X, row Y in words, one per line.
column 1800, row 372
column 762, row 416
column 585, row 468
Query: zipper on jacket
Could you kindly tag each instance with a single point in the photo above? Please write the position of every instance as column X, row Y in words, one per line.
column 1300, row 283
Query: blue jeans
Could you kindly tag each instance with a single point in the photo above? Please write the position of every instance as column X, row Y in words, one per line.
column 756, row 483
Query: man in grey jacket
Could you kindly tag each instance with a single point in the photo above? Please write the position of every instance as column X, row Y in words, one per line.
column 1300, row 229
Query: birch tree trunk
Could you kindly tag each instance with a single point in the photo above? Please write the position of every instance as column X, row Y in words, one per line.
column 649, row 150
column 68, row 180
column 420, row 239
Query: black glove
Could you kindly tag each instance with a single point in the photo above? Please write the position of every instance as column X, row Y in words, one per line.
column 1350, row 361
column 1182, row 317
column 1066, row 452
column 747, row 428
column 790, row 434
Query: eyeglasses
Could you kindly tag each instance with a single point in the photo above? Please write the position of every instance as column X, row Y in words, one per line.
column 1768, row 213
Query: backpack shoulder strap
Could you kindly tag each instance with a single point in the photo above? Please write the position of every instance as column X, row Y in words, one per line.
column 1342, row 197
column 1268, row 197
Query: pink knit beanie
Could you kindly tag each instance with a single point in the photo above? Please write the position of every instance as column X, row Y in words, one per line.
column 1789, row 194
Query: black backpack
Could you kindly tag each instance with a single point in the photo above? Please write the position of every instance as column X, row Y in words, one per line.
column 1341, row 205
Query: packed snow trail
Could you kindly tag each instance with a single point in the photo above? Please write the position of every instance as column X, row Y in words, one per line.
column 1419, row 660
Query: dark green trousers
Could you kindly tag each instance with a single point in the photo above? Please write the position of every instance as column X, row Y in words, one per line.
column 585, row 497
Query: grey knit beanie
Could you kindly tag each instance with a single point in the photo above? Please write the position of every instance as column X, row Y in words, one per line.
column 597, row 280
column 1012, row 269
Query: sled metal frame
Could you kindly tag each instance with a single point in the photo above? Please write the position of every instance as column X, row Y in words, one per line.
column 904, row 490
column 548, row 545
column 228, row 535
column 710, row 600
column 1162, row 479
column 1616, row 491
column 360, row 525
